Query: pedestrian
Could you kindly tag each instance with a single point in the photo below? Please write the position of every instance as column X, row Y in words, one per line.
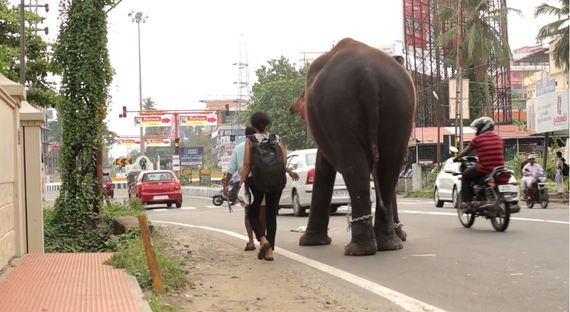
column 264, row 157
column 232, row 178
column 559, row 178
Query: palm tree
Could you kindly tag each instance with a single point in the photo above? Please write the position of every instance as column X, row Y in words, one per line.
column 557, row 30
column 480, row 39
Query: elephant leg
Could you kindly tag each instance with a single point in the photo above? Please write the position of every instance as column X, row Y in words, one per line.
column 387, row 175
column 357, row 179
column 317, row 227
column 397, row 226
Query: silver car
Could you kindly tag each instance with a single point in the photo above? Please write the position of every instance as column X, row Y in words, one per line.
column 448, row 184
column 297, row 194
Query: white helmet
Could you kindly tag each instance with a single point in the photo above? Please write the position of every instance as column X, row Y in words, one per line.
column 483, row 124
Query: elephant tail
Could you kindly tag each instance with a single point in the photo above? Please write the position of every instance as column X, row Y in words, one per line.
column 370, row 98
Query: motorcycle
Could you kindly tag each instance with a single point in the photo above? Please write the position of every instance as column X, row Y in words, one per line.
column 538, row 192
column 219, row 199
column 494, row 198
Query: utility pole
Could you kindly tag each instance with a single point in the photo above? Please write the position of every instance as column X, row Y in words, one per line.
column 459, row 78
column 138, row 18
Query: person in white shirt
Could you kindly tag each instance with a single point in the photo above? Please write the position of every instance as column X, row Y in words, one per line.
column 233, row 178
column 530, row 171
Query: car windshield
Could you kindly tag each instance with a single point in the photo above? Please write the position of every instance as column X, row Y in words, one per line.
column 158, row 176
column 310, row 159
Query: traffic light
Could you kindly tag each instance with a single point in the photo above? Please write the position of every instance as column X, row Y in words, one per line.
column 124, row 114
column 176, row 146
column 227, row 109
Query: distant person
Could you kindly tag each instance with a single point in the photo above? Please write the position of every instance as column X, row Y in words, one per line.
column 559, row 166
column 232, row 179
column 264, row 157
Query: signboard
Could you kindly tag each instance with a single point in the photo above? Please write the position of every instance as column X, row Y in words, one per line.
column 128, row 141
column 229, row 147
column 453, row 96
column 199, row 120
column 205, row 175
column 157, row 142
column 153, row 121
column 417, row 20
column 175, row 163
column 191, row 156
column 548, row 112
column 545, row 86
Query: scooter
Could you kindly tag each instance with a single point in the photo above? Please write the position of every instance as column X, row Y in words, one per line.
column 538, row 192
column 219, row 199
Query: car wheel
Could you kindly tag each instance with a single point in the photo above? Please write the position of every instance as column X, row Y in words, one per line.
column 179, row 205
column 455, row 197
column 438, row 203
column 298, row 210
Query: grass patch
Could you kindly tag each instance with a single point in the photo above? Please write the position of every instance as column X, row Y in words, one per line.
column 131, row 257
column 156, row 304
column 130, row 207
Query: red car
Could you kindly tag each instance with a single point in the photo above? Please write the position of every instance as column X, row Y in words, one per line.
column 158, row 187
column 108, row 187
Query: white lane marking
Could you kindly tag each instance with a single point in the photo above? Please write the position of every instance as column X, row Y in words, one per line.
column 406, row 302
column 159, row 209
column 423, row 255
column 188, row 208
column 212, row 207
column 454, row 214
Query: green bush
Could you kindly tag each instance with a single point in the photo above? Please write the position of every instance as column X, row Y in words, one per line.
column 131, row 257
column 427, row 190
column 91, row 235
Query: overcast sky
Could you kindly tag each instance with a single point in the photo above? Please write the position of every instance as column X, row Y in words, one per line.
column 188, row 47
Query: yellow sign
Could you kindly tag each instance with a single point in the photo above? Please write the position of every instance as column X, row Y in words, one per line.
column 205, row 171
column 187, row 171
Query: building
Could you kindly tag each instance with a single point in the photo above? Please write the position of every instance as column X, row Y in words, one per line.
column 527, row 61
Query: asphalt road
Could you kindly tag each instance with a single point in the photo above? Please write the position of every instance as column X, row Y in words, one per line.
column 442, row 264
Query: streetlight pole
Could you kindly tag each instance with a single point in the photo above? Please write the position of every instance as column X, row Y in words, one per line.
column 138, row 18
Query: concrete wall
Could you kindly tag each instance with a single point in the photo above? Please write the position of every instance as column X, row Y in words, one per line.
column 10, row 227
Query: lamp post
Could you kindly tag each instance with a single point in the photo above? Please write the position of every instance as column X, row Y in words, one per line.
column 138, row 18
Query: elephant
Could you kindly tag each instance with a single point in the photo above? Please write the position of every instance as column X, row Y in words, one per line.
column 359, row 105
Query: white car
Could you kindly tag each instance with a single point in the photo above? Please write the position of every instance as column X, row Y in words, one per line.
column 297, row 194
column 448, row 184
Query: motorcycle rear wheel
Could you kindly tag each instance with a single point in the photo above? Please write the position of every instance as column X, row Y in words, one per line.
column 501, row 222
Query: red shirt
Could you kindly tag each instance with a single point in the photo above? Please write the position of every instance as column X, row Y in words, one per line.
column 489, row 148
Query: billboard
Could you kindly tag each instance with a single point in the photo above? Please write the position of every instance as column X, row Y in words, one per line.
column 191, row 156
column 153, row 121
column 199, row 120
column 453, row 97
column 548, row 112
column 416, row 17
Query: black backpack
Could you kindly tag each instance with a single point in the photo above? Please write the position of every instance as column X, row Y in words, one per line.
column 267, row 164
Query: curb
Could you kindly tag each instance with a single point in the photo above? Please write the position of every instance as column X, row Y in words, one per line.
column 137, row 293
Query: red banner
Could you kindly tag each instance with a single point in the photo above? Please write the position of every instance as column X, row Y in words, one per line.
column 416, row 19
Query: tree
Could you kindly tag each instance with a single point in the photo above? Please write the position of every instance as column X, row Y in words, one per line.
column 557, row 30
column 149, row 104
column 277, row 87
column 40, row 91
column 83, row 58
column 479, row 41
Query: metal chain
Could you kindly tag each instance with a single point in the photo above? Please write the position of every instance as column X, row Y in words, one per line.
column 361, row 218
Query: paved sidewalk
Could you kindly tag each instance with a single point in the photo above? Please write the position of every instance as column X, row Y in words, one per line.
column 61, row 282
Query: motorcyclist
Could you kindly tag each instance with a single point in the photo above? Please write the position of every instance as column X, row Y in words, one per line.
column 530, row 172
column 489, row 151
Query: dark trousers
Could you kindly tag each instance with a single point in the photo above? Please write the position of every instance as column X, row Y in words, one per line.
column 271, row 208
column 469, row 177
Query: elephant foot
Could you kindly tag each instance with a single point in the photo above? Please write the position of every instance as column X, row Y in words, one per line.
column 400, row 232
column 363, row 242
column 388, row 242
column 314, row 239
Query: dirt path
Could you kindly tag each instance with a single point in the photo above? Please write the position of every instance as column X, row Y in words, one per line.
column 226, row 278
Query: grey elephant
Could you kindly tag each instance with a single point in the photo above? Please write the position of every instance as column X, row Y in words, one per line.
column 359, row 105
